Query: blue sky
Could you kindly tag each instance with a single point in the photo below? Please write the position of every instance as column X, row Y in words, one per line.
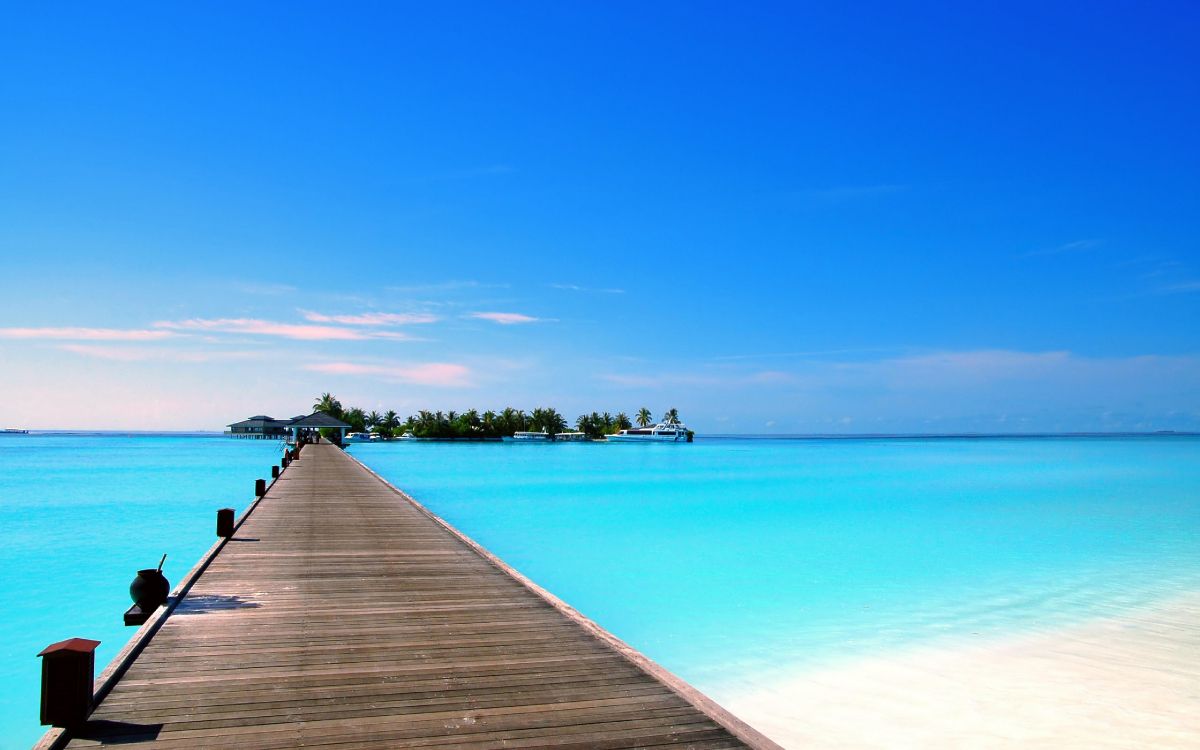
column 868, row 218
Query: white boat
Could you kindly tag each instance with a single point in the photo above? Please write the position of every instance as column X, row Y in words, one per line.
column 531, row 436
column 570, row 437
column 13, row 431
column 356, row 437
column 374, row 437
column 407, row 436
column 663, row 432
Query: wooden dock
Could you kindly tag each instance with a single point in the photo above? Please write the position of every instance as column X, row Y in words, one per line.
column 344, row 615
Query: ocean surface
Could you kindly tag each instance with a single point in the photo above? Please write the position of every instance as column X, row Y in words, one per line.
column 736, row 562
column 733, row 562
column 82, row 513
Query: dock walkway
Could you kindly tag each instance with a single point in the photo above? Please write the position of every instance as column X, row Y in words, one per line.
column 344, row 615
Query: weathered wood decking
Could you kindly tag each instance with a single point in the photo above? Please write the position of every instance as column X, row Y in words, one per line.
column 342, row 615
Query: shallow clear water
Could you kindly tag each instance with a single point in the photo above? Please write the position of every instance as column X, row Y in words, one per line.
column 736, row 562
column 730, row 561
column 81, row 515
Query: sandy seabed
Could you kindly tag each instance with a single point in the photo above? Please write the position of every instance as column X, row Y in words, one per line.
column 1127, row 682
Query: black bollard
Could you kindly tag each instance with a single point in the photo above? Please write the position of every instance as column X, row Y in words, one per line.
column 225, row 522
column 274, row 472
column 260, row 487
column 68, row 671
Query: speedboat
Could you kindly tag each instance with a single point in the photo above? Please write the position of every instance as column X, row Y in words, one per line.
column 357, row 437
column 663, row 432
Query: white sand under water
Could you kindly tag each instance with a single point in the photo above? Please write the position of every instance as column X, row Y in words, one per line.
column 1126, row 682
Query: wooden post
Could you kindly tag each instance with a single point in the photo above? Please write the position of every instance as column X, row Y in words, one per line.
column 260, row 487
column 225, row 522
column 68, row 671
column 274, row 472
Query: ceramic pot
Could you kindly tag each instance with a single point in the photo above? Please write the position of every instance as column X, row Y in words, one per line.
column 149, row 590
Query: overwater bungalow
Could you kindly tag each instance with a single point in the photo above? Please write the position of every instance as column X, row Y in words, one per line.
column 260, row 427
column 306, row 426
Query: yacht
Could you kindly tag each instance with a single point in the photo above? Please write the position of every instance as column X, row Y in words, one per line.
column 570, row 437
column 13, row 431
column 663, row 432
column 357, row 437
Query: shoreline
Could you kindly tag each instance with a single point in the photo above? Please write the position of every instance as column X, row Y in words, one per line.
column 1128, row 681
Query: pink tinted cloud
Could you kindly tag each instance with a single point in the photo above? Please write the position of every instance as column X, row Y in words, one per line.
column 429, row 373
column 372, row 319
column 504, row 318
column 171, row 354
column 84, row 334
column 258, row 327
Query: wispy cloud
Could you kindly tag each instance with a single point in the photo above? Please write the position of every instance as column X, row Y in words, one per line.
column 586, row 289
column 172, row 354
column 1181, row 287
column 372, row 318
column 258, row 327
column 429, row 373
column 967, row 367
column 453, row 285
column 804, row 354
column 263, row 288
column 1076, row 246
column 711, row 379
column 505, row 318
column 85, row 334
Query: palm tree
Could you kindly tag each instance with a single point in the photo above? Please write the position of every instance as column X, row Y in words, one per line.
column 671, row 417
column 355, row 418
column 512, row 419
column 585, row 425
column 643, row 417
column 555, row 422
column 329, row 404
column 426, row 424
column 391, row 419
column 623, row 422
column 374, row 419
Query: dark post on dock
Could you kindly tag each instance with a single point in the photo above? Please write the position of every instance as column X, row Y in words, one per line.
column 68, row 671
column 354, row 617
column 225, row 522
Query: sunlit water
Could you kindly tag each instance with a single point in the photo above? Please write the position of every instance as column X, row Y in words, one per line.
column 81, row 515
column 738, row 562
column 732, row 562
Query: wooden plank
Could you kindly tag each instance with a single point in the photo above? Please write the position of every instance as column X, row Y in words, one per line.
column 344, row 615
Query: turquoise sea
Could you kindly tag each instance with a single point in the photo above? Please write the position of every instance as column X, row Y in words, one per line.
column 733, row 562
column 82, row 513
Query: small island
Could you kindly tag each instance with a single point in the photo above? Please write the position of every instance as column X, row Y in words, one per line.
column 488, row 425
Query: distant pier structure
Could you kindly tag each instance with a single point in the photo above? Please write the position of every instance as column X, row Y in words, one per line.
column 262, row 427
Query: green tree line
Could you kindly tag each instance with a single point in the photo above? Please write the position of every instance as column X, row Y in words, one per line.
column 480, row 425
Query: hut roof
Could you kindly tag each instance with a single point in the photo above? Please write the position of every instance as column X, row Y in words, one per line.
column 317, row 419
column 260, row 419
